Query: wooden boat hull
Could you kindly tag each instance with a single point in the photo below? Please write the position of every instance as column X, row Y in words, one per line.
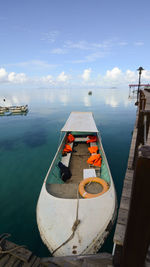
column 56, row 216
column 55, row 226
column 68, row 223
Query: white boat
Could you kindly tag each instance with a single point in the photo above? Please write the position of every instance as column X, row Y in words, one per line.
column 13, row 110
column 69, row 222
column 18, row 109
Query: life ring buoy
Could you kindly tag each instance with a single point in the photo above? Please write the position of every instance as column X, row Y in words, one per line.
column 85, row 194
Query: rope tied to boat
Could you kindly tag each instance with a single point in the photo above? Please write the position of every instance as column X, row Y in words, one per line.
column 74, row 227
column 2, row 239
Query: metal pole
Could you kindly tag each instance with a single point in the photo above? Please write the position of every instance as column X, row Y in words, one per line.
column 140, row 69
column 139, row 86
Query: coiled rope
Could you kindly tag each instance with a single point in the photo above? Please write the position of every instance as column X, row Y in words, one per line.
column 2, row 238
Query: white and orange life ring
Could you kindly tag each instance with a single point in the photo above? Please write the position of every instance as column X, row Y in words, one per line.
column 100, row 181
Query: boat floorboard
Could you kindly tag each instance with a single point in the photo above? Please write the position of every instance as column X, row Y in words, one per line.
column 63, row 190
column 77, row 164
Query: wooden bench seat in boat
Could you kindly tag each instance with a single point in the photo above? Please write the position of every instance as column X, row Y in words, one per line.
column 81, row 139
column 88, row 173
column 66, row 159
column 93, row 144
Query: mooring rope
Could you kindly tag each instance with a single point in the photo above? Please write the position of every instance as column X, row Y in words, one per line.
column 2, row 238
column 74, row 227
column 10, row 250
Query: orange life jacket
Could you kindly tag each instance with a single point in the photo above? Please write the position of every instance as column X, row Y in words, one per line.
column 93, row 149
column 67, row 148
column 96, row 160
column 92, row 138
column 70, row 138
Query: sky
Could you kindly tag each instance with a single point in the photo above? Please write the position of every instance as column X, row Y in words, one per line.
column 74, row 43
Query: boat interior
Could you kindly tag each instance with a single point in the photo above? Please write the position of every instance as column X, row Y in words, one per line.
column 76, row 161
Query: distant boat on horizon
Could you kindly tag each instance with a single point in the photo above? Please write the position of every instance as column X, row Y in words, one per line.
column 90, row 93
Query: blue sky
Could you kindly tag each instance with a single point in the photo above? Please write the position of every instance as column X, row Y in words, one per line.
column 74, row 42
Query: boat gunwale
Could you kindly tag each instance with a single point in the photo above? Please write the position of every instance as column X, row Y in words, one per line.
column 51, row 165
column 107, row 165
column 111, row 184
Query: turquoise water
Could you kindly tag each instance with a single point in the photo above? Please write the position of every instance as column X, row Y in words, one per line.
column 28, row 145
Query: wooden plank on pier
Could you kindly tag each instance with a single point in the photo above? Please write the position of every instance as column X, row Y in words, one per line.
column 126, row 192
column 20, row 252
column 13, row 261
column 119, row 234
column 125, row 202
column 126, row 196
column 147, row 95
column 122, row 216
column 97, row 260
column 34, row 262
column 4, row 259
column 129, row 174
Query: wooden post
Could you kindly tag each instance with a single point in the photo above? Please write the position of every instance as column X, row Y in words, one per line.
column 137, row 237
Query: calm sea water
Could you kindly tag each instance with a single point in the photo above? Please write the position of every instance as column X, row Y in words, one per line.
column 29, row 143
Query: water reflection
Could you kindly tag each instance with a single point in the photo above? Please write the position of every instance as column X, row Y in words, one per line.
column 28, row 145
column 64, row 98
column 87, row 101
column 61, row 97
column 16, row 98
column 112, row 102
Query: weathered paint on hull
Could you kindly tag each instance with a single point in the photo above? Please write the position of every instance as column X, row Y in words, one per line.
column 55, row 222
column 56, row 216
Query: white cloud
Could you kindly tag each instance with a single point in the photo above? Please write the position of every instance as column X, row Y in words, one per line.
column 91, row 57
column 62, row 77
column 146, row 75
column 95, row 50
column 34, row 64
column 131, row 76
column 50, row 36
column 94, row 56
column 3, row 75
column 113, row 74
column 47, row 79
column 122, row 43
column 12, row 77
column 112, row 78
column 17, row 78
column 59, row 51
column 138, row 43
column 78, row 45
column 86, row 75
column 84, row 45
